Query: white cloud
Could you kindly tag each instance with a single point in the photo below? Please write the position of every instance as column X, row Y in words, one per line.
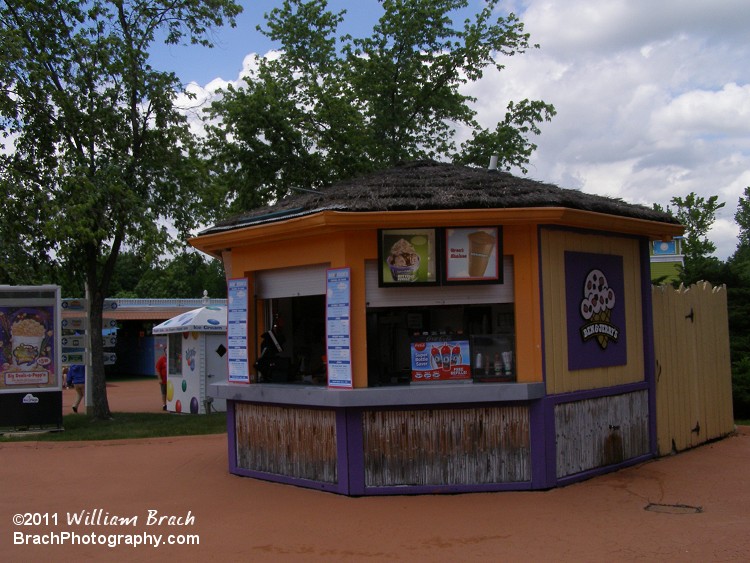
column 724, row 234
column 653, row 98
column 725, row 112
column 572, row 27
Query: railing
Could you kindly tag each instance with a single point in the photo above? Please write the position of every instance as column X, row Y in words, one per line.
column 193, row 303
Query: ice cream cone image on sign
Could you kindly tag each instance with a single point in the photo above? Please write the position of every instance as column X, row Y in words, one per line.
column 480, row 251
column 602, row 317
column 596, row 308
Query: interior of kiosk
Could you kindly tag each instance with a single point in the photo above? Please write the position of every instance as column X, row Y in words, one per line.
column 392, row 332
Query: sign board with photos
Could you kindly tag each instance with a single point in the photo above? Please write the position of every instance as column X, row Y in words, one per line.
column 408, row 257
column 473, row 255
column 440, row 256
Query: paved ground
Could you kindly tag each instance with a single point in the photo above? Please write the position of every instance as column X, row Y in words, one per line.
column 699, row 500
column 137, row 395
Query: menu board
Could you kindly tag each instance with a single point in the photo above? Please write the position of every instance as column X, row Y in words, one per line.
column 237, row 304
column 408, row 257
column 473, row 255
column 338, row 327
column 440, row 360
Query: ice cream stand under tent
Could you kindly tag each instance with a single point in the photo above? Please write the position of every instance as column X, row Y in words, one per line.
column 196, row 357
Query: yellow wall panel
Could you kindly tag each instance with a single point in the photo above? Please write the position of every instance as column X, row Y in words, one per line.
column 558, row 377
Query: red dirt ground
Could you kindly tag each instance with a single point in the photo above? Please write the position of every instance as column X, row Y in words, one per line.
column 603, row 519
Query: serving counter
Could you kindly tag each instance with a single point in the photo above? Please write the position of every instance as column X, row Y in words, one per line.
column 449, row 437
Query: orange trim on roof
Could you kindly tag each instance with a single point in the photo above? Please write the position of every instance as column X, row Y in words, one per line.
column 332, row 221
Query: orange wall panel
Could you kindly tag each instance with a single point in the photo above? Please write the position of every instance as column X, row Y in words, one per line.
column 353, row 248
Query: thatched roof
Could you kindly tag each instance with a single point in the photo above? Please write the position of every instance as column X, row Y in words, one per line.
column 429, row 185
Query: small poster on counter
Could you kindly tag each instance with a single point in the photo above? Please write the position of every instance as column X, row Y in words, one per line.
column 440, row 360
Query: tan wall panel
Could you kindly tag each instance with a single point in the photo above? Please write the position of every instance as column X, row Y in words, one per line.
column 554, row 244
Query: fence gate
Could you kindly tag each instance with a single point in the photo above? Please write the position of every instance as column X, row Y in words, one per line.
column 693, row 370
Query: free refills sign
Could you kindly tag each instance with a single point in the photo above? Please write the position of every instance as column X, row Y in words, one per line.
column 440, row 360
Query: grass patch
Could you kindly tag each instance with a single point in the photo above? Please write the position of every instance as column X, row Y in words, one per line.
column 126, row 425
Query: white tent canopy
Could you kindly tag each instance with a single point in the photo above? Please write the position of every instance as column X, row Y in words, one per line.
column 211, row 318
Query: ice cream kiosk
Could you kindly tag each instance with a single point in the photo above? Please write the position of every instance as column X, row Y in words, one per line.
column 196, row 357
column 483, row 332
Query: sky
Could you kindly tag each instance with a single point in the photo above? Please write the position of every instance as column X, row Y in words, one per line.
column 652, row 97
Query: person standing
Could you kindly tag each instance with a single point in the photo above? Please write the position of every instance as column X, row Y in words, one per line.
column 77, row 380
column 271, row 346
column 161, row 372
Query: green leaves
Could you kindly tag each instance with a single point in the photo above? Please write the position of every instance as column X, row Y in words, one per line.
column 509, row 141
column 98, row 153
column 93, row 125
column 327, row 107
column 698, row 215
column 742, row 217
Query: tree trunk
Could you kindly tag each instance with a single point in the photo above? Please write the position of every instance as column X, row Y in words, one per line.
column 98, row 382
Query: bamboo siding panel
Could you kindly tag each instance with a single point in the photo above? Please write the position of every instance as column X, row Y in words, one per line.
column 446, row 446
column 693, row 370
column 600, row 432
column 295, row 442
column 554, row 244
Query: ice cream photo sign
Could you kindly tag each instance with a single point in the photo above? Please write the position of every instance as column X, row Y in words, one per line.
column 407, row 257
column 471, row 255
column 466, row 255
column 594, row 296
column 27, row 348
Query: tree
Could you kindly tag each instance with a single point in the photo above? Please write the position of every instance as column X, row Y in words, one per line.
column 99, row 157
column 326, row 107
column 742, row 218
column 698, row 214
column 128, row 272
column 738, row 295
column 187, row 275
column 509, row 141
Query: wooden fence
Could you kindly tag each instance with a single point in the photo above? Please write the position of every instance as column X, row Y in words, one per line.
column 693, row 370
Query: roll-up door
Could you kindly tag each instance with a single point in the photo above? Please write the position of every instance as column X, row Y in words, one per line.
column 439, row 295
column 291, row 282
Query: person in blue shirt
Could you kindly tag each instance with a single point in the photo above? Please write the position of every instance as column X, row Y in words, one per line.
column 77, row 379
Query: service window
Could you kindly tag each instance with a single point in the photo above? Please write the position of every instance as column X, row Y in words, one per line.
column 294, row 302
column 174, row 360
